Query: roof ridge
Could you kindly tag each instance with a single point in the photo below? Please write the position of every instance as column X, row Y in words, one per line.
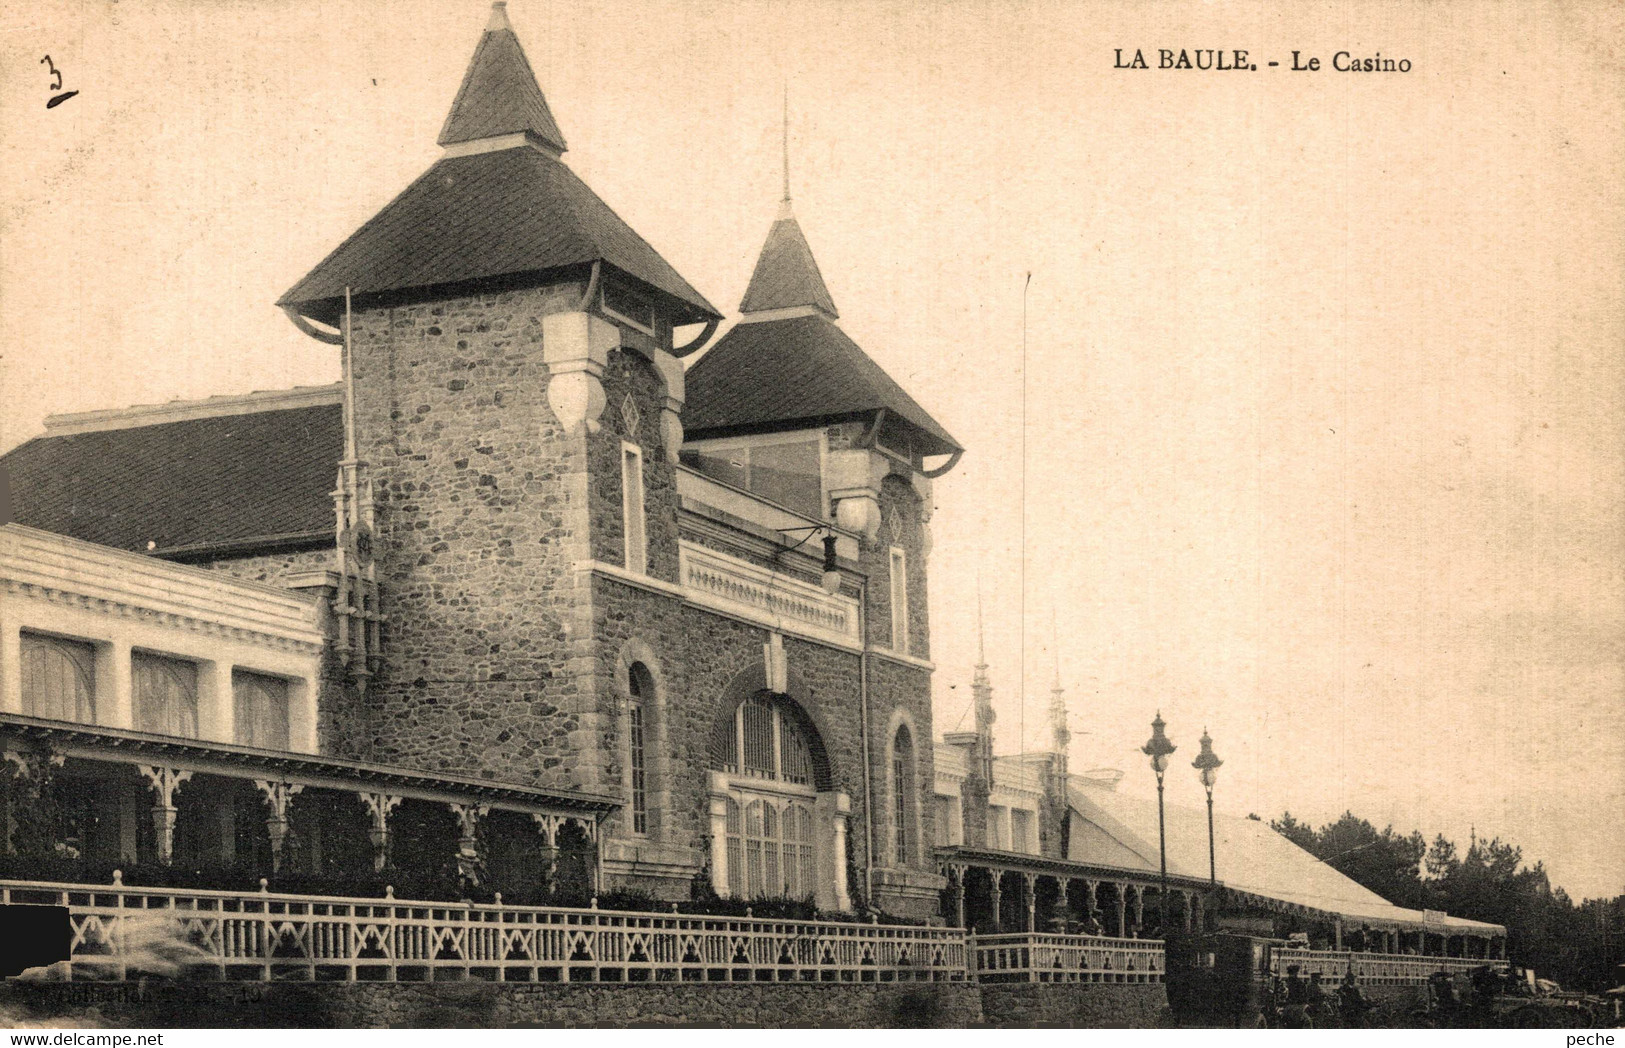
column 138, row 415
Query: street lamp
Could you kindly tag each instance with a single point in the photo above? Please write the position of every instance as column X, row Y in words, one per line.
column 1158, row 748
column 1207, row 762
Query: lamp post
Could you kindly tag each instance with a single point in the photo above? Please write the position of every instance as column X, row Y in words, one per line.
column 1158, row 748
column 1207, row 763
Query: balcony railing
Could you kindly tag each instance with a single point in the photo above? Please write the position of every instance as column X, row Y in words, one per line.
column 1040, row 957
column 1371, row 969
column 121, row 931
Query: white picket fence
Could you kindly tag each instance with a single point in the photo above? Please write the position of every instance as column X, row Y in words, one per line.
column 1370, row 969
column 1042, row 957
column 120, row 931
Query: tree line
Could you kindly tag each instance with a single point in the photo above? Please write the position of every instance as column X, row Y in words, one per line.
column 1578, row 945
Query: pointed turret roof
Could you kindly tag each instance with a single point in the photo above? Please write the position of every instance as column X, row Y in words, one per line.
column 786, row 274
column 500, row 204
column 788, row 364
column 499, row 95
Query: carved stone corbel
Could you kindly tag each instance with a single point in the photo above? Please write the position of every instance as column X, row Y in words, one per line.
column 855, row 476
column 576, row 348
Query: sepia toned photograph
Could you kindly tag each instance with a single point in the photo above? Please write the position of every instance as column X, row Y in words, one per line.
column 812, row 514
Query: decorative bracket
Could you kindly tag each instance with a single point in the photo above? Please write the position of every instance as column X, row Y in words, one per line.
column 164, row 782
column 277, row 797
column 379, row 805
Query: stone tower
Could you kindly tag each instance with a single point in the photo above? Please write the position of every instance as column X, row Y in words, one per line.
column 511, row 358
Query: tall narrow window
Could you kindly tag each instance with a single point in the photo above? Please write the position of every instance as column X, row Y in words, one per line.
column 762, row 876
column 58, row 678
column 637, row 546
column 902, row 794
column 800, row 865
column 641, row 687
column 164, row 691
column 1021, row 830
column 899, row 600
column 260, row 710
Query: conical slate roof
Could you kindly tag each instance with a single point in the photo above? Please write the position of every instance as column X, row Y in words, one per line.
column 499, row 95
column 497, row 206
column 804, row 370
column 786, row 273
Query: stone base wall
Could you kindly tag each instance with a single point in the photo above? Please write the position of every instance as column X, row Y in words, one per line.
column 490, row 1005
column 1076, row 1005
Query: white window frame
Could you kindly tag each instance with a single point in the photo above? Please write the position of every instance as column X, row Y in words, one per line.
column 633, row 510
column 786, row 437
column 644, row 705
column 898, row 572
column 613, row 314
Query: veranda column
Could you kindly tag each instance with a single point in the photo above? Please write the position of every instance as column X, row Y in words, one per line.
column 1139, row 909
column 115, row 688
column 1063, row 909
column 719, row 833
column 469, row 860
column 958, row 873
column 995, row 895
column 1122, row 909
column 277, row 796
column 11, row 663
column 1185, row 907
column 1091, row 900
column 548, row 825
column 215, row 701
column 379, row 805
column 164, row 782
column 1337, row 934
column 1030, row 883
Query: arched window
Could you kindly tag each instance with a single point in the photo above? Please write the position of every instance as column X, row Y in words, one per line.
column 769, row 738
column 58, row 679
column 776, row 768
column 903, row 832
column 165, row 695
column 640, row 685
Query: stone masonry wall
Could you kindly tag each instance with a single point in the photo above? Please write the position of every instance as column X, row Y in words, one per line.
column 473, row 1005
column 1075, row 1005
column 482, row 513
column 695, row 655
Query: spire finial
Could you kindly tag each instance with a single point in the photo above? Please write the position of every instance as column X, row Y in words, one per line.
column 981, row 643
column 499, row 17
column 1055, row 642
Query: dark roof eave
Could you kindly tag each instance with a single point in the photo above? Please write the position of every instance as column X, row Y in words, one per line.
column 1049, row 863
column 933, row 445
column 134, row 742
column 329, row 310
column 291, row 541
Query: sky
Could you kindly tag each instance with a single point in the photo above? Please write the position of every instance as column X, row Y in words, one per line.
column 1313, row 438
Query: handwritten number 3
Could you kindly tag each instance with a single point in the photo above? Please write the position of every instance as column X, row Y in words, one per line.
column 56, row 100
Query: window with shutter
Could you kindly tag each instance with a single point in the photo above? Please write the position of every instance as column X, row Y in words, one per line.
column 58, row 678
